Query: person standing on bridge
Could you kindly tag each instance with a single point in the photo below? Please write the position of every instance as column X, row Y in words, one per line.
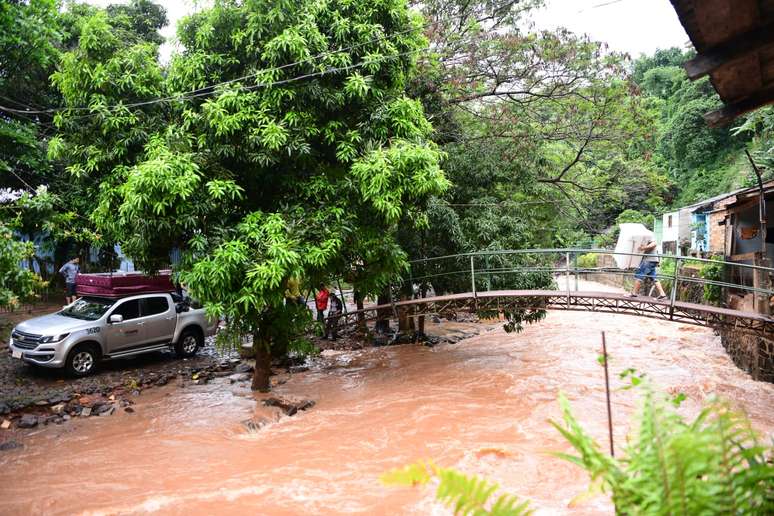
column 647, row 269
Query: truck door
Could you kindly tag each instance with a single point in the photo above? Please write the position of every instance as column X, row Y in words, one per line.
column 160, row 318
column 129, row 333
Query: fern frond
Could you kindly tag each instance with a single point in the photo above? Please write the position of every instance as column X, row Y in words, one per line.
column 465, row 494
column 419, row 473
column 713, row 464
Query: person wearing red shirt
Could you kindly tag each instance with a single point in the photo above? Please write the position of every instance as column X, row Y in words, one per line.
column 321, row 300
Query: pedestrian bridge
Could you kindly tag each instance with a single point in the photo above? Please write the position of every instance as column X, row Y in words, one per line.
column 698, row 289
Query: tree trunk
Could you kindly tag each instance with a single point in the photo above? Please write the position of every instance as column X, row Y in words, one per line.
column 404, row 321
column 384, row 314
column 361, row 323
column 421, row 318
column 262, row 364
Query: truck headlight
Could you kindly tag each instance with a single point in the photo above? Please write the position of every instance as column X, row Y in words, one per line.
column 55, row 338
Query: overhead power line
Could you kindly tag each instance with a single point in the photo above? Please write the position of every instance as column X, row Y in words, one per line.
column 210, row 89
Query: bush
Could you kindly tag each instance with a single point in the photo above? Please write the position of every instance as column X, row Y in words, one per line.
column 17, row 284
column 588, row 260
column 713, row 294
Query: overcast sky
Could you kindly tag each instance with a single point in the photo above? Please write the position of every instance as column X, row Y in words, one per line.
column 632, row 26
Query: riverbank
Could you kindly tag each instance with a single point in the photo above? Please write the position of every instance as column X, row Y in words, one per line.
column 481, row 405
column 32, row 397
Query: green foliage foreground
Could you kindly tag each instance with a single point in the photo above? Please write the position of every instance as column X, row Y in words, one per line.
column 16, row 284
column 712, row 464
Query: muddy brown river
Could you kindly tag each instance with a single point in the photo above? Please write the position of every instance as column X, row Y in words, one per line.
column 481, row 405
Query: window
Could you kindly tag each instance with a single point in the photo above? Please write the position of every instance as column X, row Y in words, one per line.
column 129, row 309
column 154, row 305
column 669, row 221
column 88, row 308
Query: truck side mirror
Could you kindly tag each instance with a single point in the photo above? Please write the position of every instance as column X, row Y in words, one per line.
column 116, row 318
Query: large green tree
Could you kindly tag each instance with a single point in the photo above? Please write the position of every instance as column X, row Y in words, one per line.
column 304, row 159
column 34, row 37
column 547, row 140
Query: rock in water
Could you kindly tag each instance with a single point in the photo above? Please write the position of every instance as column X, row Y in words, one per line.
column 289, row 406
column 10, row 445
column 240, row 377
column 244, row 367
column 253, row 425
column 28, row 421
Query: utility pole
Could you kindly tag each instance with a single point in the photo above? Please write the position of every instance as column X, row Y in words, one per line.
column 760, row 277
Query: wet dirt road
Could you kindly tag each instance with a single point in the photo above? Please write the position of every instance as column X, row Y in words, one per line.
column 481, row 405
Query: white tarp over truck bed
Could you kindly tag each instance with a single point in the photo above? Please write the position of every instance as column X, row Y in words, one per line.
column 632, row 236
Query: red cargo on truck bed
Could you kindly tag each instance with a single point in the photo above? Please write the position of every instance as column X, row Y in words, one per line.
column 119, row 284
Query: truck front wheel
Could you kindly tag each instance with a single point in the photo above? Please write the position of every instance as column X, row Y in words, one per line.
column 82, row 360
column 188, row 343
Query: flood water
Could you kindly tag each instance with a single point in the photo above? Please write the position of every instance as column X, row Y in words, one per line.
column 481, row 405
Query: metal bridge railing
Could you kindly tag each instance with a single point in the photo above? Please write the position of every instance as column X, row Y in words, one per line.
column 524, row 268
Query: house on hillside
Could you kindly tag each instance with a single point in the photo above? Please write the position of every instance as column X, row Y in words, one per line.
column 686, row 231
column 736, row 217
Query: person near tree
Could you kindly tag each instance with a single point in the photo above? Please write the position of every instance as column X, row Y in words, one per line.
column 293, row 291
column 333, row 317
column 70, row 271
column 648, row 269
column 321, row 301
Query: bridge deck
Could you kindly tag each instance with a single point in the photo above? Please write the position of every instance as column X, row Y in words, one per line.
column 610, row 302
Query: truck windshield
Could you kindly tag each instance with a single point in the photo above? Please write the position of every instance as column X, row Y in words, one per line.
column 88, row 308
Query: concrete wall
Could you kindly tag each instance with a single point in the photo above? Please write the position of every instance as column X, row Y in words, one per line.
column 670, row 230
column 658, row 231
column 684, row 228
column 752, row 354
column 716, row 232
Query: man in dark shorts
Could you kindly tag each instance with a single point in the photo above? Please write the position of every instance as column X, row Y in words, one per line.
column 70, row 270
column 647, row 269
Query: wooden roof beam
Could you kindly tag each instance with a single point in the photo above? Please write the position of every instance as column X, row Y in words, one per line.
column 740, row 46
column 729, row 112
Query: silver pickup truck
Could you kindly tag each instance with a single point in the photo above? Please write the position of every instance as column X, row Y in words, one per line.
column 97, row 328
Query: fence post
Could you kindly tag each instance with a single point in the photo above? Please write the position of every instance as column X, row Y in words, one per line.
column 472, row 277
column 488, row 275
column 607, row 397
column 567, row 277
column 575, row 269
column 673, row 293
column 761, row 281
